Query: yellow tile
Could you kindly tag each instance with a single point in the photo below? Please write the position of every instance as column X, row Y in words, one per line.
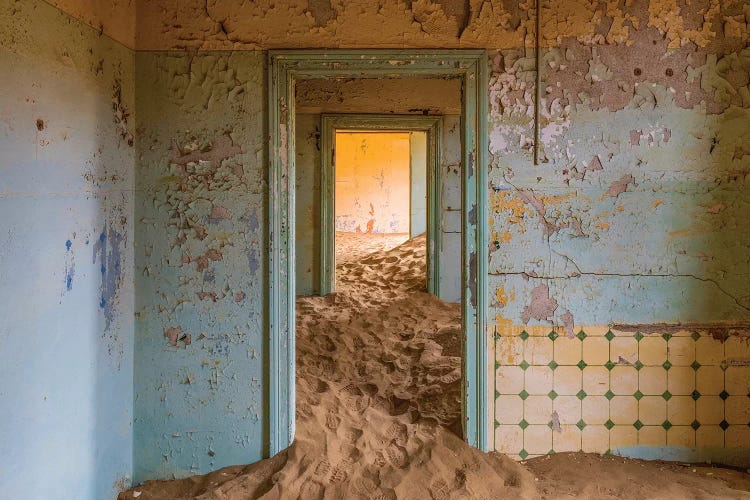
column 709, row 351
column 595, row 439
column 538, row 330
column 567, row 380
column 509, row 379
column 508, row 438
column 708, row 436
column 537, row 439
column 538, row 380
column 569, row 439
column 568, row 351
column 623, row 410
column 538, row 410
column 681, row 410
column 595, row 330
column 681, row 351
column 737, row 410
column 738, row 436
column 538, row 350
column 568, row 409
column 595, row 410
column 738, row 380
column 652, row 380
column 625, row 347
column 623, row 380
column 595, row 380
column 709, row 410
column 595, row 350
column 652, row 351
column 709, row 380
column 509, row 350
column 652, row 435
column 508, row 409
column 737, row 348
column 681, row 380
column 652, row 410
column 623, row 435
column 681, row 435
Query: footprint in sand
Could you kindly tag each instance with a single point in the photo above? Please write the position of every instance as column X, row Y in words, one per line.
column 397, row 455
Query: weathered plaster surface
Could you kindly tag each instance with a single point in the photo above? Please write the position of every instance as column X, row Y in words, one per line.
column 114, row 18
column 200, row 262
column 66, row 195
column 635, row 219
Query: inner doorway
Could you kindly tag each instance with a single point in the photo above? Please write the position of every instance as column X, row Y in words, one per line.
column 380, row 186
column 380, row 191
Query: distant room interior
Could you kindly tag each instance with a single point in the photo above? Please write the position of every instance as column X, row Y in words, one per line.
column 380, row 190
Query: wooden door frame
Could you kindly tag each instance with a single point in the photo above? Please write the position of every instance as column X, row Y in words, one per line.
column 285, row 67
column 330, row 123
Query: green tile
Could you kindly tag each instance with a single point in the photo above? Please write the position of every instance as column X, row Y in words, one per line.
column 581, row 424
column 695, row 336
column 523, row 424
column 696, row 395
column 666, row 336
column 609, row 395
column 523, row 394
column 553, row 364
column 553, row 335
column 667, row 395
column 724, row 425
column 724, row 395
column 551, row 452
column 638, row 336
column 638, row 395
column 524, row 365
column 581, row 335
column 552, row 395
column 582, row 364
column 695, row 425
column 497, row 394
column 638, row 424
column 695, row 365
column 524, row 335
column 667, row 425
column 609, row 424
column 497, row 365
column 638, row 365
column 609, row 365
column 581, row 394
column 497, row 424
column 523, row 454
column 609, row 335
column 667, row 365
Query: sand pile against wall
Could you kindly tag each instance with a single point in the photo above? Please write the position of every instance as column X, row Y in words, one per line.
column 378, row 408
column 378, row 387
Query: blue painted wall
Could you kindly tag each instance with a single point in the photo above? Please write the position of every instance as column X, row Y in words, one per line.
column 199, row 383
column 66, row 236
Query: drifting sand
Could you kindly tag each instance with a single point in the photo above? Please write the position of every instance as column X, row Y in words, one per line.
column 378, row 412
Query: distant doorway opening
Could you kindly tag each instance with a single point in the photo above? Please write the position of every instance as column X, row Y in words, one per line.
column 379, row 188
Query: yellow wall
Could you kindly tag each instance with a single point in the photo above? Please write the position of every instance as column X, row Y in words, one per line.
column 372, row 182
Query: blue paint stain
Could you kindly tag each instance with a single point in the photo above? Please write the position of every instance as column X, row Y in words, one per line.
column 69, row 281
column 102, row 237
column 102, row 303
column 68, row 244
column 103, row 269
column 252, row 261
column 108, row 251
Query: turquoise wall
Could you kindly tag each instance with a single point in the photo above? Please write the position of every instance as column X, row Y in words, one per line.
column 66, row 195
column 200, row 262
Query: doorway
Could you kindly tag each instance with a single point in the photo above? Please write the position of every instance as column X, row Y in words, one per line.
column 286, row 67
column 419, row 186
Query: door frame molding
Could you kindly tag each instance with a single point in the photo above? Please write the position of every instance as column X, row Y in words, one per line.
column 330, row 123
column 285, row 67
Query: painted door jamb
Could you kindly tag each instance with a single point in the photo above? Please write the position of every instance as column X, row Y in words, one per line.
column 285, row 68
column 330, row 123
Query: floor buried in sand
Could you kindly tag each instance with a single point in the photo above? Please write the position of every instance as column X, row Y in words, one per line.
column 379, row 407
